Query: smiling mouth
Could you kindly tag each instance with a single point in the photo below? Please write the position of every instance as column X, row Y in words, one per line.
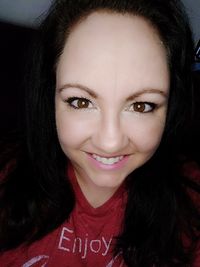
column 107, row 161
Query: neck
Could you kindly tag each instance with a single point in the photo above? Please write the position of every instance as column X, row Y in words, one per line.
column 95, row 195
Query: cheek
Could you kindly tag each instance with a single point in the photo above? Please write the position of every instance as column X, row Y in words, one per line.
column 72, row 129
column 149, row 142
column 146, row 136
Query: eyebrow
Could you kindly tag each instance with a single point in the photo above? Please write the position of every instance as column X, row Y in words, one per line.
column 95, row 95
column 147, row 91
column 79, row 86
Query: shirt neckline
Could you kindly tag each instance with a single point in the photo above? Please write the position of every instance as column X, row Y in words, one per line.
column 118, row 198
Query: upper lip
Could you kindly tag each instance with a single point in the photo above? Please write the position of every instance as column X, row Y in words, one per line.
column 108, row 156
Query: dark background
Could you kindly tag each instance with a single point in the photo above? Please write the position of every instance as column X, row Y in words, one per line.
column 14, row 51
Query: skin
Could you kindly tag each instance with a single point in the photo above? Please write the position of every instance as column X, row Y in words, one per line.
column 113, row 61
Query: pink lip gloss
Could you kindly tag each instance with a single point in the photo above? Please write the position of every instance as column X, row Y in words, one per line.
column 113, row 167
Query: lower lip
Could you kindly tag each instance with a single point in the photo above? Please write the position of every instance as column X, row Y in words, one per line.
column 115, row 166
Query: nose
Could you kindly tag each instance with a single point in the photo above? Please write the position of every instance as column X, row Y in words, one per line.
column 110, row 136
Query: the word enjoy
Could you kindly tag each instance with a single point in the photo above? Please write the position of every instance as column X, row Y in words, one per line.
column 72, row 244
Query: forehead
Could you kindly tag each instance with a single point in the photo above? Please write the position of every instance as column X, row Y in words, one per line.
column 114, row 50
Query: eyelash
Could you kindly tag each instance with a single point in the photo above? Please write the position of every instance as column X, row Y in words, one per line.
column 139, row 104
column 70, row 101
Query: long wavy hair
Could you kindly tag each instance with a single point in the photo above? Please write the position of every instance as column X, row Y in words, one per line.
column 35, row 194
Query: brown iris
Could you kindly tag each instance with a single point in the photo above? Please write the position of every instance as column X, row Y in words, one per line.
column 82, row 103
column 139, row 107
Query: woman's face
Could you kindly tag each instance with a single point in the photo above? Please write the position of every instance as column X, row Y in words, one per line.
column 111, row 97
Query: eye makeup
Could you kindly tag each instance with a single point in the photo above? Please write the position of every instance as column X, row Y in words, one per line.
column 143, row 107
column 78, row 102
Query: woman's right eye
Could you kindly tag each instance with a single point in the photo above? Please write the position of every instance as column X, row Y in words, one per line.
column 79, row 102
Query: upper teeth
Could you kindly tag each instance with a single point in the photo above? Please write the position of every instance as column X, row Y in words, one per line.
column 107, row 161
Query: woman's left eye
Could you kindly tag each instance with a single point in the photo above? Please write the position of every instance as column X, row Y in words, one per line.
column 143, row 107
column 79, row 102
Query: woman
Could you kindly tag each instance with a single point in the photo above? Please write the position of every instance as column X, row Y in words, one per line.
column 96, row 183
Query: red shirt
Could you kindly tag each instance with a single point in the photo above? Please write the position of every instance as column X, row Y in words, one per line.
column 86, row 239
